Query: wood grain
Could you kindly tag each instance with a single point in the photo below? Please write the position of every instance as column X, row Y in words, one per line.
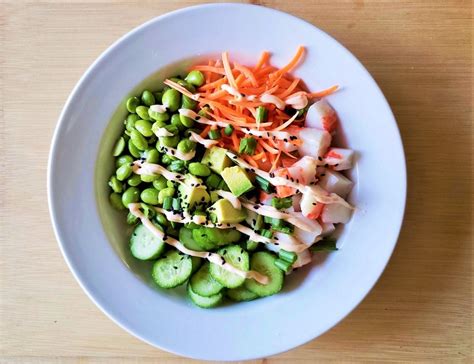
column 420, row 54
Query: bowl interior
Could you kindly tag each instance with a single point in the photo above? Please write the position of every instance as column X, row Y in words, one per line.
column 93, row 237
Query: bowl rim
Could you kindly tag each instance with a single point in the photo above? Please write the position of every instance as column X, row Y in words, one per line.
column 61, row 123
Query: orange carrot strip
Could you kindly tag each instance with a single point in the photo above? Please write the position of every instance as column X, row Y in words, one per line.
column 205, row 131
column 322, row 93
column 250, row 161
column 289, row 89
column 287, row 123
column 216, row 95
column 212, row 85
column 293, row 62
column 235, row 141
column 268, row 147
column 263, row 60
column 212, row 69
column 247, row 73
column 275, row 162
column 258, row 156
column 228, row 69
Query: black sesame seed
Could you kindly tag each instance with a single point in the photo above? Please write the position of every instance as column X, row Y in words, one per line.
column 172, row 152
column 276, row 243
column 238, row 258
column 336, row 164
column 326, row 165
column 175, row 267
column 320, row 159
column 285, row 140
column 314, row 203
column 323, row 174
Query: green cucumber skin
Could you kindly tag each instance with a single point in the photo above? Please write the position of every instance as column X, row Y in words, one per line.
column 264, row 263
column 204, row 302
column 172, row 270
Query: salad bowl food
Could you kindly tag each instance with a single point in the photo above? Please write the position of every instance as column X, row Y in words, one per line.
column 212, row 175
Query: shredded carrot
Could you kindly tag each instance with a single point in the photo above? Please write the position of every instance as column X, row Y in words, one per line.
column 294, row 61
column 213, row 85
column 228, row 70
column 211, row 69
column 235, row 141
column 289, row 89
column 205, row 131
column 250, row 161
column 263, row 60
column 247, row 73
column 323, row 93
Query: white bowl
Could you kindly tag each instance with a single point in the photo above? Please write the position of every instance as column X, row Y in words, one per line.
column 93, row 237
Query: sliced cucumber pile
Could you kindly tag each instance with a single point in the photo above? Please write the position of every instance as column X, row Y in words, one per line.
column 172, row 270
column 237, row 257
column 264, row 262
column 240, row 294
column 144, row 245
column 204, row 302
column 203, row 284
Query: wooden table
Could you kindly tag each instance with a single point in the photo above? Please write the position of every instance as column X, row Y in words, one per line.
column 419, row 53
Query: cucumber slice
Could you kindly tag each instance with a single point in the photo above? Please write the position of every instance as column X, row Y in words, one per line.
column 196, row 262
column 144, row 245
column 204, row 302
column 236, row 256
column 241, row 294
column 203, row 284
column 264, row 262
column 172, row 270
column 186, row 237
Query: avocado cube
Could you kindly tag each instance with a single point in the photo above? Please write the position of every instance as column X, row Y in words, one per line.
column 227, row 214
column 193, row 192
column 237, row 180
column 217, row 159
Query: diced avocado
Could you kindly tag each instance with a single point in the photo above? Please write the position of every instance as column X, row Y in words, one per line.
column 193, row 192
column 217, row 159
column 227, row 214
column 214, row 196
column 237, row 180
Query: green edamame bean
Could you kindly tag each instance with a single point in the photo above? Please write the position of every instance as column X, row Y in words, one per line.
column 158, row 116
column 119, row 147
column 148, row 177
column 152, row 155
column 186, row 145
column 167, row 159
column 131, row 219
column 132, row 104
column 187, row 85
column 147, row 210
column 142, row 111
column 131, row 195
column 188, row 103
column 157, row 125
column 171, row 99
column 186, row 121
column 199, row 169
column 134, row 151
column 150, row 196
column 134, row 180
column 170, row 184
column 158, row 95
column 144, row 127
column 161, row 219
column 138, row 140
column 195, row 78
column 115, row 184
column 130, row 121
column 170, row 142
column 124, row 171
column 148, row 98
column 123, row 159
column 116, row 201
column 176, row 121
column 160, row 183
column 167, row 192
column 177, row 166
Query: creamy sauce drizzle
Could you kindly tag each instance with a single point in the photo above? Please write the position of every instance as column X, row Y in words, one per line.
column 272, row 99
column 178, row 154
column 162, row 132
column 220, row 123
column 298, row 100
column 230, row 197
column 212, row 257
column 158, row 108
column 199, row 139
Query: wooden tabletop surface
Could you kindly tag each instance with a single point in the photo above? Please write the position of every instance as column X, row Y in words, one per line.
column 420, row 54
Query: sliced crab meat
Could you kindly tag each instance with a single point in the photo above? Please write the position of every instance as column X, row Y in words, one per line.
column 302, row 259
column 328, row 228
column 322, row 116
column 340, row 158
column 336, row 182
column 335, row 213
column 308, row 237
column 311, row 141
column 310, row 207
column 304, row 171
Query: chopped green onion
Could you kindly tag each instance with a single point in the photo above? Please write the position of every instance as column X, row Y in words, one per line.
column 168, row 203
column 258, row 222
column 324, row 246
column 200, row 213
column 262, row 114
column 214, row 134
column 286, row 229
column 282, row 203
column 247, row 146
column 266, row 233
column 273, row 221
column 251, row 245
column 192, row 225
column 288, row 256
column 177, row 166
column 283, row 265
column 213, row 218
column 176, row 204
column 264, row 184
column 213, row 181
column 228, row 130
column 223, row 186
